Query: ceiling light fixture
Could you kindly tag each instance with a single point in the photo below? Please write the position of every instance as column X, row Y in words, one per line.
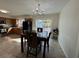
column 38, row 10
column 4, row 11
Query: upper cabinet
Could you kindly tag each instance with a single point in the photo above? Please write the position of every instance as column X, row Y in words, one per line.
column 9, row 21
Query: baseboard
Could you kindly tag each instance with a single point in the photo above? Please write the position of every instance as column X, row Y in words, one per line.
column 63, row 49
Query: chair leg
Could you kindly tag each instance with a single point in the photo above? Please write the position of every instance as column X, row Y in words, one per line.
column 40, row 45
column 36, row 53
column 48, row 45
column 27, row 50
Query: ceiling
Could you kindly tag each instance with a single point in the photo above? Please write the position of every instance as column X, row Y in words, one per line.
column 26, row 7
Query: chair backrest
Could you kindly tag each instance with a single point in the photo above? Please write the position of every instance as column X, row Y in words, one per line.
column 32, row 40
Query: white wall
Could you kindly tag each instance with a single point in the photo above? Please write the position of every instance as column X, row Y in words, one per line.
column 69, row 28
column 53, row 17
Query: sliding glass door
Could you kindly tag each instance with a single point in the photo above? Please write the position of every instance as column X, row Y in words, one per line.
column 45, row 25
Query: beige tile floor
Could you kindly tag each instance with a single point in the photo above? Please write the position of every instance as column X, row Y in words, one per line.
column 10, row 48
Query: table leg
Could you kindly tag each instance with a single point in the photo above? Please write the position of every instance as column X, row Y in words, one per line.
column 22, row 48
column 44, row 49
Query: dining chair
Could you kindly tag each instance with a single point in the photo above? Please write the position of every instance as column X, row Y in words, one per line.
column 32, row 44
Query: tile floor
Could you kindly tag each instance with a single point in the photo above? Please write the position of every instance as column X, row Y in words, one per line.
column 10, row 48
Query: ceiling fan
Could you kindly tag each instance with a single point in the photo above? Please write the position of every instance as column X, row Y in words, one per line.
column 38, row 10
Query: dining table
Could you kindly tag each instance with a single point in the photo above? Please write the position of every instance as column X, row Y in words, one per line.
column 40, row 38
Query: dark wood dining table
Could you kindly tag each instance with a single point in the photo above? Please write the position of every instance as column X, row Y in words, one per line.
column 44, row 39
